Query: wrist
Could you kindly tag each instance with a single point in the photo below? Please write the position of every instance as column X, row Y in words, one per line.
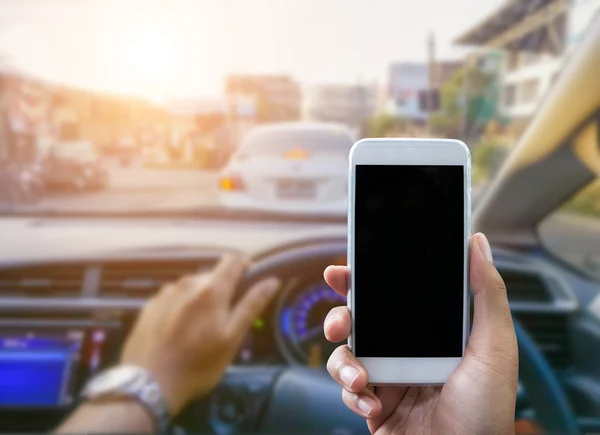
column 115, row 414
column 130, row 384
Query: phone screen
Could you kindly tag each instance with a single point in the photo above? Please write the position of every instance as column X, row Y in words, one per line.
column 408, row 261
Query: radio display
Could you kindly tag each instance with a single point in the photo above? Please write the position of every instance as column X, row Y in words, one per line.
column 38, row 369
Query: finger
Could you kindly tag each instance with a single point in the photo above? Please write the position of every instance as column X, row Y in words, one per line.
column 365, row 403
column 338, row 324
column 191, row 291
column 227, row 273
column 493, row 333
column 390, row 397
column 252, row 304
column 189, row 283
column 337, row 278
column 347, row 371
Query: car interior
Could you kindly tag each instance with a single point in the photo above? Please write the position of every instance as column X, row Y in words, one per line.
column 80, row 281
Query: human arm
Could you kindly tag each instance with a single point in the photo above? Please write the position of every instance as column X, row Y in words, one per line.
column 185, row 337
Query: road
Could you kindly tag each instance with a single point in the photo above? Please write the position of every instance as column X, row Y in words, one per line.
column 139, row 188
column 576, row 239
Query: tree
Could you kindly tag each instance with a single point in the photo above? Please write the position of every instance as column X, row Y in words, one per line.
column 383, row 124
column 468, row 100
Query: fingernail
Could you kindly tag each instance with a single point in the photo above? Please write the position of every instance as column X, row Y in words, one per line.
column 331, row 317
column 366, row 405
column 347, row 375
column 270, row 285
column 484, row 245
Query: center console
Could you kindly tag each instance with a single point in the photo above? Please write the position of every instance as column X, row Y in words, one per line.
column 44, row 363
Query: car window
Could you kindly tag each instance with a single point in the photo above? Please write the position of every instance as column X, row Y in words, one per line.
column 275, row 142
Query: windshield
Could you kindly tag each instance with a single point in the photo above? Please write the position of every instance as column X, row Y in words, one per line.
column 174, row 96
column 279, row 141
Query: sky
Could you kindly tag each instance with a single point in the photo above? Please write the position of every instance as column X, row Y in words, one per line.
column 184, row 48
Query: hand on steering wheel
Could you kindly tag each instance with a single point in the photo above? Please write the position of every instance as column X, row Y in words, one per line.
column 187, row 334
column 478, row 398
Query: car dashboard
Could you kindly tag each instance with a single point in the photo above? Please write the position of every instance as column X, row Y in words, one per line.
column 62, row 321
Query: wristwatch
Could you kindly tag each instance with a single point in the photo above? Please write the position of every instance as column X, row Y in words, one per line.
column 136, row 383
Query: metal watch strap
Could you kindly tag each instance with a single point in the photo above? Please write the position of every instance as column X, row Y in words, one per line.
column 150, row 395
column 138, row 385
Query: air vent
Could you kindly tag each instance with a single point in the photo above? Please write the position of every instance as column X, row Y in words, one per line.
column 525, row 287
column 551, row 333
column 142, row 278
column 44, row 281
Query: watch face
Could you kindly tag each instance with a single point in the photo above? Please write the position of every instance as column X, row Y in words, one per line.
column 112, row 380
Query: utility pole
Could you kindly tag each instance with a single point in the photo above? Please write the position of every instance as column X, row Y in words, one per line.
column 431, row 69
column 464, row 100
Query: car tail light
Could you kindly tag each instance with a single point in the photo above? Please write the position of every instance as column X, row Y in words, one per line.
column 296, row 154
column 231, row 183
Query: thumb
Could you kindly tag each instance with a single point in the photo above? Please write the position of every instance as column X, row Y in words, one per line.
column 493, row 337
column 252, row 304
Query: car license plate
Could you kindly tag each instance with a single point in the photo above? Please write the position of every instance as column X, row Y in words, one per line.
column 296, row 189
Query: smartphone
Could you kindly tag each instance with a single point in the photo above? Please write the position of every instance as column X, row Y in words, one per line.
column 408, row 238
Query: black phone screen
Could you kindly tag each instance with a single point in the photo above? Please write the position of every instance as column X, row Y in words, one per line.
column 408, row 261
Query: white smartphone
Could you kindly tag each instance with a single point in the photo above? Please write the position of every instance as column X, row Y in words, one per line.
column 409, row 222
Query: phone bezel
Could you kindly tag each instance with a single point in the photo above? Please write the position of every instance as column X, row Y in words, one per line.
column 410, row 371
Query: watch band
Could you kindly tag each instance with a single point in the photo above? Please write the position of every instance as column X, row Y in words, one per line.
column 149, row 394
column 136, row 383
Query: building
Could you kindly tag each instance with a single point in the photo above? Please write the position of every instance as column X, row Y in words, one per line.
column 535, row 37
column 412, row 87
column 406, row 80
column 34, row 114
column 26, row 108
column 351, row 105
column 277, row 97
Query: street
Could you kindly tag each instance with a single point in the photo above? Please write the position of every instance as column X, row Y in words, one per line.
column 139, row 188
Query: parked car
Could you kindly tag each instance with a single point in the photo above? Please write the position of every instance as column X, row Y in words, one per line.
column 289, row 167
column 74, row 165
column 20, row 183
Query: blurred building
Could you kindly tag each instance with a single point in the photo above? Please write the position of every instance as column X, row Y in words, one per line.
column 535, row 37
column 406, row 80
column 413, row 87
column 351, row 105
column 277, row 97
column 199, row 132
column 34, row 114
column 25, row 114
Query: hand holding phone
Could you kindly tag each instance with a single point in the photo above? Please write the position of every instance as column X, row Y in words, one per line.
column 479, row 395
column 409, row 209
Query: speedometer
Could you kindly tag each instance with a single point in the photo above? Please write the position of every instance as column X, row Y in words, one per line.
column 301, row 324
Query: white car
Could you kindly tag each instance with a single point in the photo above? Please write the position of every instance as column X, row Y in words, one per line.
column 289, row 168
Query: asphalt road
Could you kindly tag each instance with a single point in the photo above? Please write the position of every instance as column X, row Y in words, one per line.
column 576, row 239
column 139, row 188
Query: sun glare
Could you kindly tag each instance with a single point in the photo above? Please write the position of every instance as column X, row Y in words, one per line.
column 150, row 56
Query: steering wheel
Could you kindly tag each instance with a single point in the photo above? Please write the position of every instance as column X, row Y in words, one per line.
column 288, row 399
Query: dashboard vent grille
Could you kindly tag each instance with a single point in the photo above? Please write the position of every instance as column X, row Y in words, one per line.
column 42, row 281
column 142, row 278
column 525, row 287
column 551, row 332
